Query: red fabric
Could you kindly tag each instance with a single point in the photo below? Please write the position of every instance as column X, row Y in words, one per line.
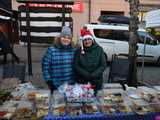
column 85, row 32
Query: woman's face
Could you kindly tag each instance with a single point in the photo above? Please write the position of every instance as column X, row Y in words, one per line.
column 87, row 42
column 65, row 40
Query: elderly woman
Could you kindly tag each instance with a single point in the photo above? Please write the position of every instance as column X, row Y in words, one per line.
column 57, row 62
column 90, row 62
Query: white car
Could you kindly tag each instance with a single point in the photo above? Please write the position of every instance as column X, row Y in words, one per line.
column 114, row 40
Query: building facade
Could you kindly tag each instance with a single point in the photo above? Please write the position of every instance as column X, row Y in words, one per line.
column 88, row 11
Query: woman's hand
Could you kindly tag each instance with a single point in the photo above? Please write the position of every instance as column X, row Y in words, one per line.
column 51, row 86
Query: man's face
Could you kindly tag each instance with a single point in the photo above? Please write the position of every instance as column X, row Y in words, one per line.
column 65, row 40
column 88, row 42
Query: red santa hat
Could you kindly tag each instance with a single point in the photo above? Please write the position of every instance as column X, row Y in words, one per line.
column 86, row 36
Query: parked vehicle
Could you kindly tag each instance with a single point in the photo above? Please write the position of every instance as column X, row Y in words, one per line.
column 114, row 40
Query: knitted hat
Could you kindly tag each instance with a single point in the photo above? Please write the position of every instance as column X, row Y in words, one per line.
column 87, row 37
column 66, row 31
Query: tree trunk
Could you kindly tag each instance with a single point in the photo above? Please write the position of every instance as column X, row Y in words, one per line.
column 133, row 39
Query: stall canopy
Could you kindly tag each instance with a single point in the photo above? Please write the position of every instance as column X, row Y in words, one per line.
column 5, row 10
column 153, row 19
column 5, row 5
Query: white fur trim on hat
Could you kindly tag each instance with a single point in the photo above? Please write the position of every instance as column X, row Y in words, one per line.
column 87, row 36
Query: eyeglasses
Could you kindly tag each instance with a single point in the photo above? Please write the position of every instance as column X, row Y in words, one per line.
column 87, row 39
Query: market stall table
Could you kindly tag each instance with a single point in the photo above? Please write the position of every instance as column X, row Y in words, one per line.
column 109, row 106
column 100, row 116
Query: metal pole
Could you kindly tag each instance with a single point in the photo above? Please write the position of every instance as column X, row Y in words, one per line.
column 11, row 34
column 28, row 40
column 89, row 14
column 144, row 51
column 63, row 14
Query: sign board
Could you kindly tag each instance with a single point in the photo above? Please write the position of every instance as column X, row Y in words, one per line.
column 76, row 7
column 153, row 19
column 47, row 1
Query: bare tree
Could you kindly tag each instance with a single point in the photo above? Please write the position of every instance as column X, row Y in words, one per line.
column 133, row 27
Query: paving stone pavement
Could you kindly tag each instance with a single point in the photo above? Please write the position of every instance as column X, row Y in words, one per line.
column 39, row 49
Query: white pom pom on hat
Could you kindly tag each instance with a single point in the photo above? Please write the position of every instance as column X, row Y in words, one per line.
column 87, row 37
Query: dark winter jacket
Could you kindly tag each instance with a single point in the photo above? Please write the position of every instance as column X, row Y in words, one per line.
column 57, row 64
column 90, row 65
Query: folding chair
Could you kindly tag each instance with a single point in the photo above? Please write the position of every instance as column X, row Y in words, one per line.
column 119, row 70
